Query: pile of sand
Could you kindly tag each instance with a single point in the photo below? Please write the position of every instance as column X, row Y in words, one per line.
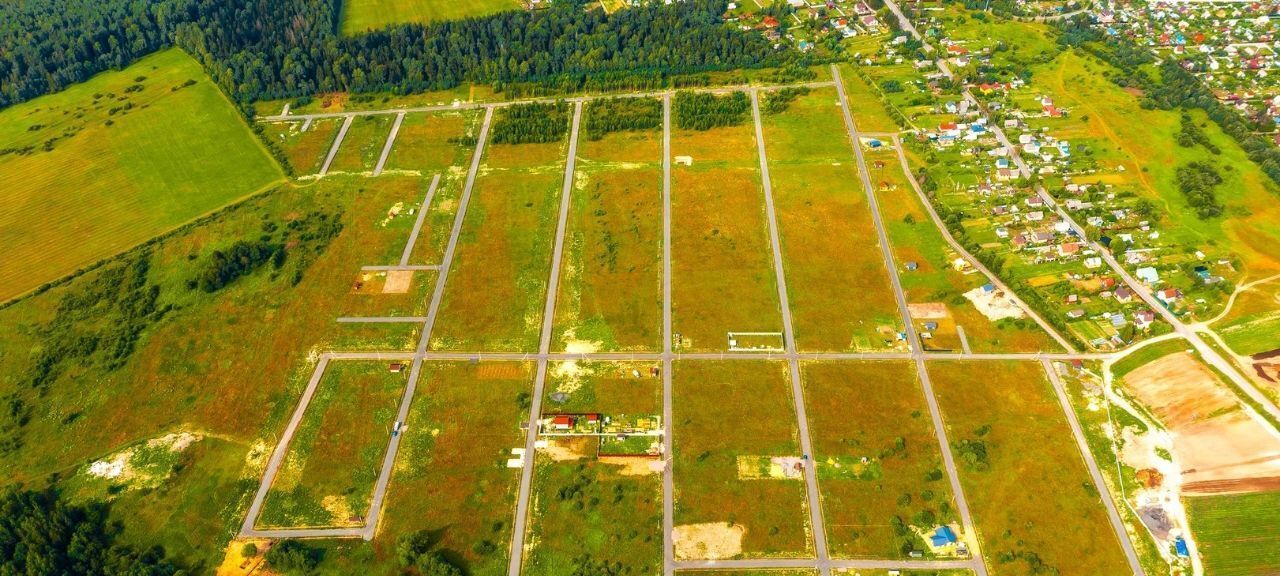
column 995, row 305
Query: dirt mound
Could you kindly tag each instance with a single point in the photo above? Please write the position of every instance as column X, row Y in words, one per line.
column 710, row 541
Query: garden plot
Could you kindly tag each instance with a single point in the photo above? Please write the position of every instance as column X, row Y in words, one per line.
column 879, row 463
column 717, row 511
column 1025, row 480
column 335, row 455
column 590, row 507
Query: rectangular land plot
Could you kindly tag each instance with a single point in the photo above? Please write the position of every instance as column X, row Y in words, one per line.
column 362, row 144
column 334, row 457
column 304, row 150
column 496, row 291
column 611, row 282
column 935, row 288
column 589, row 508
column 1025, row 480
column 450, row 475
column 434, row 142
column 1237, row 535
column 722, row 276
column 731, row 500
column 876, row 411
column 838, row 286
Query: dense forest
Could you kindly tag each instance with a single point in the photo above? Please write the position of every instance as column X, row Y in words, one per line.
column 536, row 122
column 703, row 111
column 256, row 49
column 621, row 115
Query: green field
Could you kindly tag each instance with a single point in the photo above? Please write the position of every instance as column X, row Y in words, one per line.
column 871, row 507
column 721, row 272
column 429, row 144
column 1236, row 535
column 497, row 288
column 826, row 231
column 450, row 476
column 710, row 436
column 305, row 151
column 364, row 15
column 362, row 144
column 589, row 511
column 1034, row 504
column 335, row 456
column 115, row 161
column 611, row 277
column 1253, row 324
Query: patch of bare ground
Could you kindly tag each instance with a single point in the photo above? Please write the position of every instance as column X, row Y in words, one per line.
column 709, row 541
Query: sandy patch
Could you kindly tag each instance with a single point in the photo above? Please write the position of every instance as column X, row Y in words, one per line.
column 710, row 541
column 235, row 563
column 635, row 466
column 995, row 305
column 567, row 449
column 928, row 310
column 120, row 466
column 501, row 371
column 1217, row 445
column 398, row 282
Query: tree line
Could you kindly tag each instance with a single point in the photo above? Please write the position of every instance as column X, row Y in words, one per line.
column 290, row 48
column 536, row 122
column 704, row 111
column 622, row 115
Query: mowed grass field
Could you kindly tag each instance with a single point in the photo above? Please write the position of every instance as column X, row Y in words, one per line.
column 1236, row 535
column 711, row 434
column 838, row 286
column 364, row 15
column 1035, row 507
column 722, row 273
column 497, row 288
column 874, row 410
column 167, row 154
column 1253, row 324
column 611, row 278
column 586, row 511
column 450, row 475
column 334, row 458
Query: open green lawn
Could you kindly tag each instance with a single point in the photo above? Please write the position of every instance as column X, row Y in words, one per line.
column 336, row 454
column 871, row 507
column 589, row 511
column 1031, row 497
column 712, row 438
column 114, row 161
column 1236, row 535
column 611, row 278
column 364, row 15
column 1253, row 324
column 838, row 286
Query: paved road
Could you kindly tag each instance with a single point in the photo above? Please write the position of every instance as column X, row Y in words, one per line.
column 776, row 563
column 797, row 389
column 337, row 143
column 422, row 214
column 421, row 267
column 668, row 472
column 745, row 356
column 381, row 319
column 503, row 103
column 277, row 456
column 962, row 504
column 389, row 460
column 386, row 148
column 977, row 264
column 1116, row 523
column 544, row 346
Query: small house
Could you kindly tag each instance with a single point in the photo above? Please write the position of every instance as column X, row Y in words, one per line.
column 562, row 422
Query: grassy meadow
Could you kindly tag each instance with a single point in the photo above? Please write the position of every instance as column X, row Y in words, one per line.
column 838, row 286
column 1236, row 534
column 710, row 437
column 364, row 15
column 611, row 278
column 362, row 144
column 902, row 477
column 1032, row 500
column 722, row 276
column 431, row 143
column 110, row 163
column 336, row 454
column 1252, row 326
column 304, row 150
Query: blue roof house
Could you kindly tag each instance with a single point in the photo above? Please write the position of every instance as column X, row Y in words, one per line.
column 943, row 536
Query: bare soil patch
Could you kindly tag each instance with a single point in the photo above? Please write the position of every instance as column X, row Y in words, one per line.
column 501, row 371
column 710, row 541
column 569, row 449
column 928, row 310
column 634, row 466
column 398, row 282
column 1219, row 447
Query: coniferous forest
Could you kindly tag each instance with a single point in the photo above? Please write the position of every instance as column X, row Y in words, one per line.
column 262, row 49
